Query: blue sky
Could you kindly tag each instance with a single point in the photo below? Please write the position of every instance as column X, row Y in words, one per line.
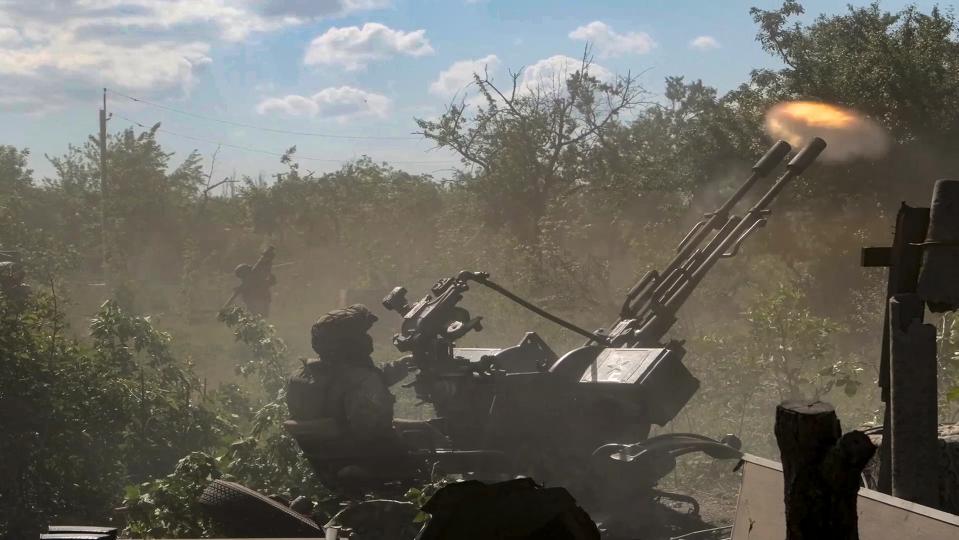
column 318, row 66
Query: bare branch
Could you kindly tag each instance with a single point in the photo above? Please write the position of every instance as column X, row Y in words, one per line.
column 226, row 180
column 449, row 135
column 486, row 82
column 209, row 175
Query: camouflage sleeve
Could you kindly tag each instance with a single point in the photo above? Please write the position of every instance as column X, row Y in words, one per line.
column 369, row 408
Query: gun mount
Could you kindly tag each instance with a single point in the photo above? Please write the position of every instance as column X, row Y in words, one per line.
column 581, row 419
column 565, row 418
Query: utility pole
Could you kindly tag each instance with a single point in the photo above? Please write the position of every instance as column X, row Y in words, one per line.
column 103, row 185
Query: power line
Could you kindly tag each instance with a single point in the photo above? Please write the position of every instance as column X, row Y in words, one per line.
column 262, row 128
column 264, row 151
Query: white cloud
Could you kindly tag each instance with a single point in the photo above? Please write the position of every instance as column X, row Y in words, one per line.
column 316, row 8
column 551, row 73
column 228, row 19
column 354, row 47
column 9, row 36
column 456, row 78
column 704, row 43
column 547, row 76
column 291, row 105
column 338, row 103
column 148, row 66
column 234, row 19
column 58, row 49
column 609, row 43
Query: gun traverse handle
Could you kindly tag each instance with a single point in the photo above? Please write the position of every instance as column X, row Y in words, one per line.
column 806, row 156
column 773, row 156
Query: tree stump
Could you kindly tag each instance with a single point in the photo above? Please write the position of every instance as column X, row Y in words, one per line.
column 821, row 471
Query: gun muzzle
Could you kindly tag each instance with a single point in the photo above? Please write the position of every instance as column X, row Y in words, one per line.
column 772, row 158
column 806, row 156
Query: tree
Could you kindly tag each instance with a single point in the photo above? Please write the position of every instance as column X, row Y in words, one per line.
column 372, row 216
column 30, row 219
column 527, row 145
column 16, row 198
column 899, row 67
column 81, row 422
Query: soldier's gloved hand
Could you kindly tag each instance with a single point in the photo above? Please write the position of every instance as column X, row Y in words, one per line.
column 395, row 372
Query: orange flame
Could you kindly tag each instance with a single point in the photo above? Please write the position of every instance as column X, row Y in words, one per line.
column 849, row 134
column 814, row 114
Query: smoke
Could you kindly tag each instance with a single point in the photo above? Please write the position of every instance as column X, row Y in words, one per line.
column 850, row 134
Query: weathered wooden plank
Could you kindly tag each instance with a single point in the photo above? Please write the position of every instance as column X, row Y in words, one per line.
column 914, row 415
column 761, row 516
column 904, row 260
column 938, row 285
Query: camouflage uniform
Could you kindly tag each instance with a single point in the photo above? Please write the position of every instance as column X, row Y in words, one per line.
column 346, row 402
column 254, row 288
column 343, row 383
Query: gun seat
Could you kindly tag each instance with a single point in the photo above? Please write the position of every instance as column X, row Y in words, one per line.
column 324, row 429
column 349, row 465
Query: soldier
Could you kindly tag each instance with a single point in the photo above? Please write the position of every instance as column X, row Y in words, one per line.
column 255, row 283
column 345, row 398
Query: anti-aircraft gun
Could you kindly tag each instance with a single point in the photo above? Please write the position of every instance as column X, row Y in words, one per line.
column 583, row 419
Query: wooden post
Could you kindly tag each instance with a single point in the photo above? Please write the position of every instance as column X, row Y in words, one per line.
column 914, row 418
column 104, row 237
column 938, row 285
column 821, row 471
column 903, row 259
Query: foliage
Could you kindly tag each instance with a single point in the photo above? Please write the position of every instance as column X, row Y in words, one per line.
column 82, row 421
column 264, row 457
column 531, row 144
column 269, row 353
column 166, row 396
column 789, row 343
column 267, row 457
column 896, row 66
column 784, row 352
column 420, row 495
column 166, row 507
column 27, row 218
column 948, row 353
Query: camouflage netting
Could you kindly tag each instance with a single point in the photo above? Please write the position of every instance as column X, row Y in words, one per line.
column 948, row 467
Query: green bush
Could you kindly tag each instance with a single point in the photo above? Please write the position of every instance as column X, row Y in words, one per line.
column 84, row 420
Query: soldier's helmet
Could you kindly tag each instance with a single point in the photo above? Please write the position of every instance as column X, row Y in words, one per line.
column 242, row 271
column 341, row 328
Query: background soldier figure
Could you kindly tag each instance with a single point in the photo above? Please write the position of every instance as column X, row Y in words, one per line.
column 255, row 283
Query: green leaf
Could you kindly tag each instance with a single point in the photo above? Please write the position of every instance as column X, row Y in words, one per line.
column 131, row 493
column 953, row 395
